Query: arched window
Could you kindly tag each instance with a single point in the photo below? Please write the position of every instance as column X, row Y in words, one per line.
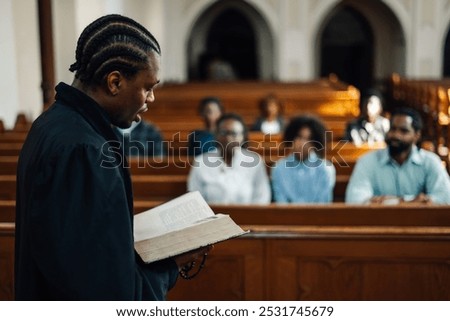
column 347, row 48
column 234, row 39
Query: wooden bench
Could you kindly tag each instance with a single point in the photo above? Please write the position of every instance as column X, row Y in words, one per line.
column 171, row 129
column 7, row 211
column 320, row 252
column 181, row 165
column 177, row 104
column 7, row 231
column 321, row 98
column 157, row 187
column 8, row 165
column 7, row 187
column 334, row 252
column 166, row 187
column 13, row 137
column 10, row 149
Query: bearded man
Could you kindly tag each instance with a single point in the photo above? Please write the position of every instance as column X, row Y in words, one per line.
column 402, row 172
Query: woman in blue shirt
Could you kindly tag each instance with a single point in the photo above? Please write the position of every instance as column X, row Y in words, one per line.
column 304, row 176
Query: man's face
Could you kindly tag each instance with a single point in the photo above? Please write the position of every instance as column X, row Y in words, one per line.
column 135, row 94
column 230, row 134
column 401, row 136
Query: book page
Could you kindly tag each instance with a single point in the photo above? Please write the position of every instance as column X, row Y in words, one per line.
column 208, row 231
column 173, row 215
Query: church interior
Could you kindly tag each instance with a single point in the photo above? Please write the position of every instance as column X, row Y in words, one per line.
column 316, row 56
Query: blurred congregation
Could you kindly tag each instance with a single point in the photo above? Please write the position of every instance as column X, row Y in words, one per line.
column 320, row 126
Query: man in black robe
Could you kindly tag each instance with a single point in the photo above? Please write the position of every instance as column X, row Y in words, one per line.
column 74, row 219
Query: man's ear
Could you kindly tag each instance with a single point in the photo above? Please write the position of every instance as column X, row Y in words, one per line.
column 417, row 136
column 113, row 82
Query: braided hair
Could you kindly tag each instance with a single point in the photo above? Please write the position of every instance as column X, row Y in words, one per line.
column 112, row 42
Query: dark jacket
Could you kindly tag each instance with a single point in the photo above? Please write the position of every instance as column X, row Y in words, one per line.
column 74, row 212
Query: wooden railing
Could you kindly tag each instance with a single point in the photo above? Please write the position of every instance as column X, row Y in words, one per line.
column 333, row 252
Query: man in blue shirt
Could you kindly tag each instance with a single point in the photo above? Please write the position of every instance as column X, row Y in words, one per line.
column 402, row 172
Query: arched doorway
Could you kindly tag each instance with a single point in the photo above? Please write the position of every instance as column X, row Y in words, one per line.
column 366, row 39
column 347, row 48
column 446, row 58
column 235, row 34
column 231, row 39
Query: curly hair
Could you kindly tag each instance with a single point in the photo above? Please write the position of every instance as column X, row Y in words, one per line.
column 264, row 103
column 315, row 125
column 112, row 42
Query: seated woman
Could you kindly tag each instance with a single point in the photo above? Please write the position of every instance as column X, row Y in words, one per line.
column 202, row 140
column 270, row 121
column 304, row 176
column 370, row 126
column 231, row 174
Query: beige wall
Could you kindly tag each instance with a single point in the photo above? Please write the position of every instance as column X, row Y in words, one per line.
column 19, row 64
column 294, row 26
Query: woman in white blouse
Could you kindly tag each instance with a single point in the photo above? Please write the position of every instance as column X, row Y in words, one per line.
column 231, row 174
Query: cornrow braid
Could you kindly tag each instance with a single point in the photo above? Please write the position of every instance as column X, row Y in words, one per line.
column 112, row 42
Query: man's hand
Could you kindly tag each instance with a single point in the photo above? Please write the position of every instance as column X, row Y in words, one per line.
column 394, row 200
column 192, row 256
column 385, row 199
column 421, row 199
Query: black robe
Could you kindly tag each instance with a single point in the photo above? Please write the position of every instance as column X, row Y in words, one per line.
column 74, row 211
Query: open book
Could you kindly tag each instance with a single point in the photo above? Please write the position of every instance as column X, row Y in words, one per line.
column 183, row 224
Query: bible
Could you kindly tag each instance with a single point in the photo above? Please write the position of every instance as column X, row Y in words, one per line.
column 181, row 225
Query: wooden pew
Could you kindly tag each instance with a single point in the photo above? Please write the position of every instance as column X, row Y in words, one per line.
column 7, row 231
column 181, row 165
column 320, row 97
column 274, row 145
column 166, row 187
column 145, row 187
column 321, row 252
column 314, row 263
column 171, row 129
column 328, row 253
column 7, row 187
column 22, row 124
column 7, row 211
column 13, row 137
column 8, row 165
column 175, row 109
column 156, row 187
column 10, row 149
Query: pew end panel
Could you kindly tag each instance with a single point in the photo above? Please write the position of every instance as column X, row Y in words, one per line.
column 7, row 232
